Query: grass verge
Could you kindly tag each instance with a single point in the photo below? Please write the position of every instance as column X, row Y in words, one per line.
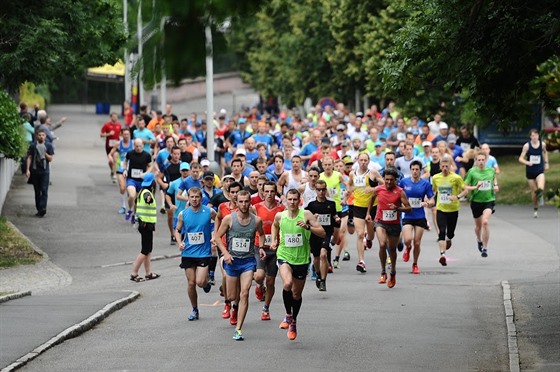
column 14, row 248
column 513, row 184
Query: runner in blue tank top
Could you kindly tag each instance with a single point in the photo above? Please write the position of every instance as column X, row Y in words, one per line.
column 194, row 234
column 420, row 194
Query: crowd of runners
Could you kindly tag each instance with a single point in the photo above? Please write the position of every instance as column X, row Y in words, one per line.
column 286, row 191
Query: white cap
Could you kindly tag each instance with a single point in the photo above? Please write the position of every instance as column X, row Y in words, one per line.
column 223, row 111
column 240, row 152
column 426, row 143
column 205, row 163
column 443, row 126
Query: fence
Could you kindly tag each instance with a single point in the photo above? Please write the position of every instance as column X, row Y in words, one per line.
column 7, row 169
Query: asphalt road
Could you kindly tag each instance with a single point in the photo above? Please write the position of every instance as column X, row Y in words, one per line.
column 447, row 318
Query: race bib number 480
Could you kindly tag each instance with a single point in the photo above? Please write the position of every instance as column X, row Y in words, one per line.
column 293, row 240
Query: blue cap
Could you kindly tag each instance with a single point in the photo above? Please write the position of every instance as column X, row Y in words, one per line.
column 148, row 179
column 241, row 120
column 184, row 166
column 378, row 143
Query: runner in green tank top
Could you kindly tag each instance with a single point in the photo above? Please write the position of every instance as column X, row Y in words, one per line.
column 482, row 183
column 333, row 179
column 294, row 226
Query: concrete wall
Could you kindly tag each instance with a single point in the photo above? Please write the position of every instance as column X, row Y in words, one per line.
column 7, row 169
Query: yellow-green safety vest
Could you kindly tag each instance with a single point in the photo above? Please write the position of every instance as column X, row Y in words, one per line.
column 146, row 212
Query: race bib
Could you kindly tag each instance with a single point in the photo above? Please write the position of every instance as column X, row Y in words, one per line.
column 113, row 142
column 293, row 240
column 136, row 173
column 240, row 244
column 389, row 215
column 195, row 238
column 360, row 181
column 445, row 195
column 415, row 202
column 333, row 192
column 486, row 185
column 324, row 219
column 267, row 240
column 535, row 159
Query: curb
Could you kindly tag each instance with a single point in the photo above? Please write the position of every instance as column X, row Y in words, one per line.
column 74, row 331
column 33, row 245
column 13, row 296
column 511, row 330
column 155, row 258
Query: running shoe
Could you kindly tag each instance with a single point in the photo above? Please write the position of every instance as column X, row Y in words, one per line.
column 361, row 267
column 133, row 219
column 318, row 283
column 173, row 241
column 207, row 288
column 323, row 286
column 211, row 280
column 382, row 278
column 400, row 246
column 335, row 264
column 330, row 269
column 415, row 269
column 292, row 330
column 535, row 214
column 406, row 254
column 346, row 256
column 265, row 315
column 392, row 280
column 313, row 275
column 479, row 246
column 286, row 322
column 128, row 215
column 122, row 210
column 233, row 317
column 194, row 315
column 368, row 243
column 237, row 335
column 259, row 293
column 162, row 210
column 484, row 252
column 443, row 260
column 351, row 223
column 226, row 312
column 448, row 244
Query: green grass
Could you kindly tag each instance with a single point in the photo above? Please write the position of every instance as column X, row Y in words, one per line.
column 14, row 248
column 513, row 184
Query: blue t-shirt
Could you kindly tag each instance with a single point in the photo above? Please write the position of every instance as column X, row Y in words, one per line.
column 264, row 138
column 145, row 134
column 307, row 150
column 197, row 231
column 238, row 138
column 250, row 156
column 415, row 192
column 180, row 204
column 188, row 183
column 161, row 159
column 206, row 197
column 378, row 159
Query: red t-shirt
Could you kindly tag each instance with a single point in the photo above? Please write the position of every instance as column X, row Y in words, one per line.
column 112, row 140
column 267, row 217
column 224, row 210
column 385, row 197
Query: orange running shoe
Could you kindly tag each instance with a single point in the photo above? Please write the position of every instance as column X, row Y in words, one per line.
column 286, row 322
column 259, row 293
column 292, row 331
column 233, row 317
column 406, row 254
column 415, row 269
column 265, row 315
column 392, row 280
column 382, row 278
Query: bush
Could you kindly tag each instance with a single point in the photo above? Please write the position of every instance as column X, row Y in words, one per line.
column 30, row 94
column 12, row 138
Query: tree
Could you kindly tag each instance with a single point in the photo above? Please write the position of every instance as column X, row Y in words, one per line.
column 488, row 50
column 41, row 40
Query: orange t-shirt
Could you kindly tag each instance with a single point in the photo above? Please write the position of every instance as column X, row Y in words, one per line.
column 267, row 217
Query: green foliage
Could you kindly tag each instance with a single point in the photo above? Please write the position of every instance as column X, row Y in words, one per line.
column 547, row 83
column 12, row 143
column 29, row 95
column 43, row 40
column 489, row 49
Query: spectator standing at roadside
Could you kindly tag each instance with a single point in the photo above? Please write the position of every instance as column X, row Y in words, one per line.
column 39, row 155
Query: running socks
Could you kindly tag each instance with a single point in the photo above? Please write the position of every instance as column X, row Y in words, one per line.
column 287, row 296
column 296, row 305
column 213, row 263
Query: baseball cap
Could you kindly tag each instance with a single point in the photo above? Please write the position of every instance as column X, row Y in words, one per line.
column 158, row 112
column 241, row 121
column 241, row 152
column 378, row 143
column 359, row 114
column 223, row 111
column 341, row 127
column 452, row 138
column 347, row 160
column 184, row 166
column 426, row 143
column 283, row 115
column 148, row 179
column 443, row 126
column 205, row 163
column 208, row 174
column 228, row 176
